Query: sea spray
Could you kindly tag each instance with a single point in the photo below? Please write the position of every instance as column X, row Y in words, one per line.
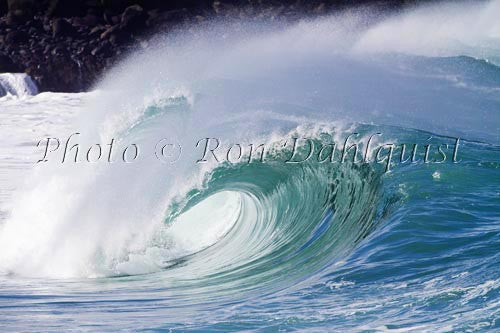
column 264, row 246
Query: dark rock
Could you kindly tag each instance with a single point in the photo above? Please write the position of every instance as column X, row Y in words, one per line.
column 47, row 26
column 115, row 6
column 47, row 49
column 116, row 35
column 67, row 44
column 108, row 17
column 225, row 9
column 58, row 72
column 102, row 50
column 93, row 7
column 97, row 31
column 30, row 69
column 118, row 39
column 38, row 52
column 91, row 20
column 168, row 17
column 13, row 21
column 37, row 24
column 133, row 18
column 111, row 30
column 22, row 9
column 59, row 50
column 16, row 37
column 61, row 27
column 84, row 49
column 76, row 21
column 152, row 14
column 115, row 19
column 4, row 8
column 7, row 65
column 66, row 8
column 320, row 8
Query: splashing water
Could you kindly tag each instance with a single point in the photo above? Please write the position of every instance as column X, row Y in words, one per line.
column 247, row 246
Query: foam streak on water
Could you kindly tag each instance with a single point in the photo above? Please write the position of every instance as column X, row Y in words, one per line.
column 151, row 246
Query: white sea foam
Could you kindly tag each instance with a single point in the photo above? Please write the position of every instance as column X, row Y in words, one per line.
column 19, row 85
column 444, row 29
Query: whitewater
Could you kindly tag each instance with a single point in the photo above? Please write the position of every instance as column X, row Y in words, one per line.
column 177, row 245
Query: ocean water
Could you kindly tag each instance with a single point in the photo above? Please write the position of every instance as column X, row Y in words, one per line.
column 199, row 233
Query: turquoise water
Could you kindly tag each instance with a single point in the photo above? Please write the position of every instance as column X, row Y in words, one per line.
column 266, row 246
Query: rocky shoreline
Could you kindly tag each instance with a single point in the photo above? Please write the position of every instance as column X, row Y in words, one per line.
column 65, row 45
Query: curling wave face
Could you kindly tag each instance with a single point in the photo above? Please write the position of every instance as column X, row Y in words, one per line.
column 281, row 245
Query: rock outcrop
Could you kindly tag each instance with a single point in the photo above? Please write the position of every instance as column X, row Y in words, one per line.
column 65, row 45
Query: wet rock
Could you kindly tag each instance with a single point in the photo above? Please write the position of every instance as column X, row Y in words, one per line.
column 111, row 30
column 66, row 44
column 133, row 18
column 165, row 18
column 103, row 50
column 97, row 31
column 119, row 38
column 108, row 17
column 115, row 5
column 225, row 9
column 61, row 27
column 84, row 49
column 47, row 49
column 7, row 65
column 3, row 7
column 320, row 8
column 91, row 20
column 59, row 72
column 16, row 37
column 93, row 33
column 59, row 51
column 22, row 9
column 32, row 31
column 66, row 8
column 13, row 21
column 115, row 19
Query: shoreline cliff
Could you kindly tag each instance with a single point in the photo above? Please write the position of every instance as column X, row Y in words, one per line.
column 66, row 45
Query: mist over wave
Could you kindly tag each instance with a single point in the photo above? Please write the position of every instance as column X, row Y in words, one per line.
column 310, row 236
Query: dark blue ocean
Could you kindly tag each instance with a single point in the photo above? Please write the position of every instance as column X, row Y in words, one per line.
column 340, row 174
